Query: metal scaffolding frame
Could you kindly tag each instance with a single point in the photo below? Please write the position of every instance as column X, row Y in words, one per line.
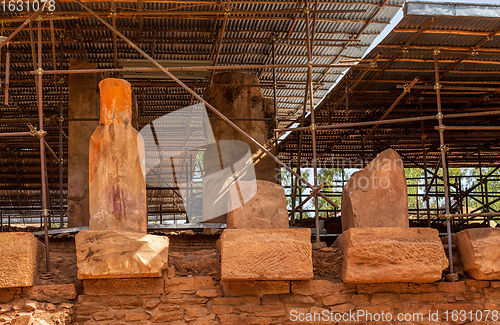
column 309, row 13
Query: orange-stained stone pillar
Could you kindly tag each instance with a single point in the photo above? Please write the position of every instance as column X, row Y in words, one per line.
column 117, row 186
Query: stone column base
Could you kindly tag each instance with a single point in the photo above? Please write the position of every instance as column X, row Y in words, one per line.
column 379, row 255
column 266, row 254
column 104, row 254
column 480, row 252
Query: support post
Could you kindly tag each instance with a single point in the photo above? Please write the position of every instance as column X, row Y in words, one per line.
column 45, row 211
column 443, row 148
column 60, row 124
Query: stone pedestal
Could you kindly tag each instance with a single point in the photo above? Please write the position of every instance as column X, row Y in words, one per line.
column 267, row 209
column 117, row 186
column 18, row 257
column 378, row 255
column 266, row 254
column 480, row 252
column 377, row 196
column 112, row 254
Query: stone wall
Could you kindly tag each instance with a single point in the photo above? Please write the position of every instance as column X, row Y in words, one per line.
column 201, row 300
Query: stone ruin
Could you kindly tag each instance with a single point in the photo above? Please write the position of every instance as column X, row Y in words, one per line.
column 116, row 244
column 266, row 268
column 257, row 244
column 377, row 243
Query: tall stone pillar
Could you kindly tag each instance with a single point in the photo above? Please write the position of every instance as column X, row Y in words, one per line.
column 242, row 98
column 83, row 103
column 117, row 183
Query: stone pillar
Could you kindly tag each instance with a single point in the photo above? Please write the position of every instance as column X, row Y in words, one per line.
column 235, row 101
column 117, row 185
column 83, row 103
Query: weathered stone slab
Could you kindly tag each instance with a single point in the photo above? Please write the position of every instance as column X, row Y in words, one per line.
column 378, row 255
column 18, row 254
column 266, row 254
column 111, row 254
column 55, row 293
column 117, row 186
column 267, row 209
column 377, row 195
column 480, row 252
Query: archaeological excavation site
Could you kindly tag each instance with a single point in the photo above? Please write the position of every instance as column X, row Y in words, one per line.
column 249, row 162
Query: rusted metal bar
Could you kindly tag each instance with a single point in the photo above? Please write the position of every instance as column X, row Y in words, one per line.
column 461, row 215
column 7, row 76
column 313, row 125
column 396, row 102
column 469, row 127
column 196, row 68
column 14, row 134
column 486, row 89
column 226, row 13
column 20, row 28
column 299, row 150
column 60, row 126
column 313, row 194
column 50, row 150
column 424, row 160
column 115, row 43
column 45, row 211
column 443, row 148
column 192, row 92
column 391, row 121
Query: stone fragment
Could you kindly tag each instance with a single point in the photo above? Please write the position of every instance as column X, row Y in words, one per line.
column 117, row 185
column 378, row 255
column 18, row 253
column 109, row 254
column 479, row 249
column 30, row 305
column 266, row 254
column 25, row 319
column 267, row 209
column 55, row 293
column 377, row 196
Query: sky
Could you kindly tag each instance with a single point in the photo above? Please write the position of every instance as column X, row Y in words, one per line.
column 399, row 16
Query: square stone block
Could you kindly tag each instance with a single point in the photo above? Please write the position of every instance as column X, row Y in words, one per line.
column 111, row 254
column 480, row 252
column 18, row 255
column 378, row 255
column 266, row 254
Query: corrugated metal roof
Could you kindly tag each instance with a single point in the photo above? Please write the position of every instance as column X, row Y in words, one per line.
column 191, row 34
column 467, row 58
